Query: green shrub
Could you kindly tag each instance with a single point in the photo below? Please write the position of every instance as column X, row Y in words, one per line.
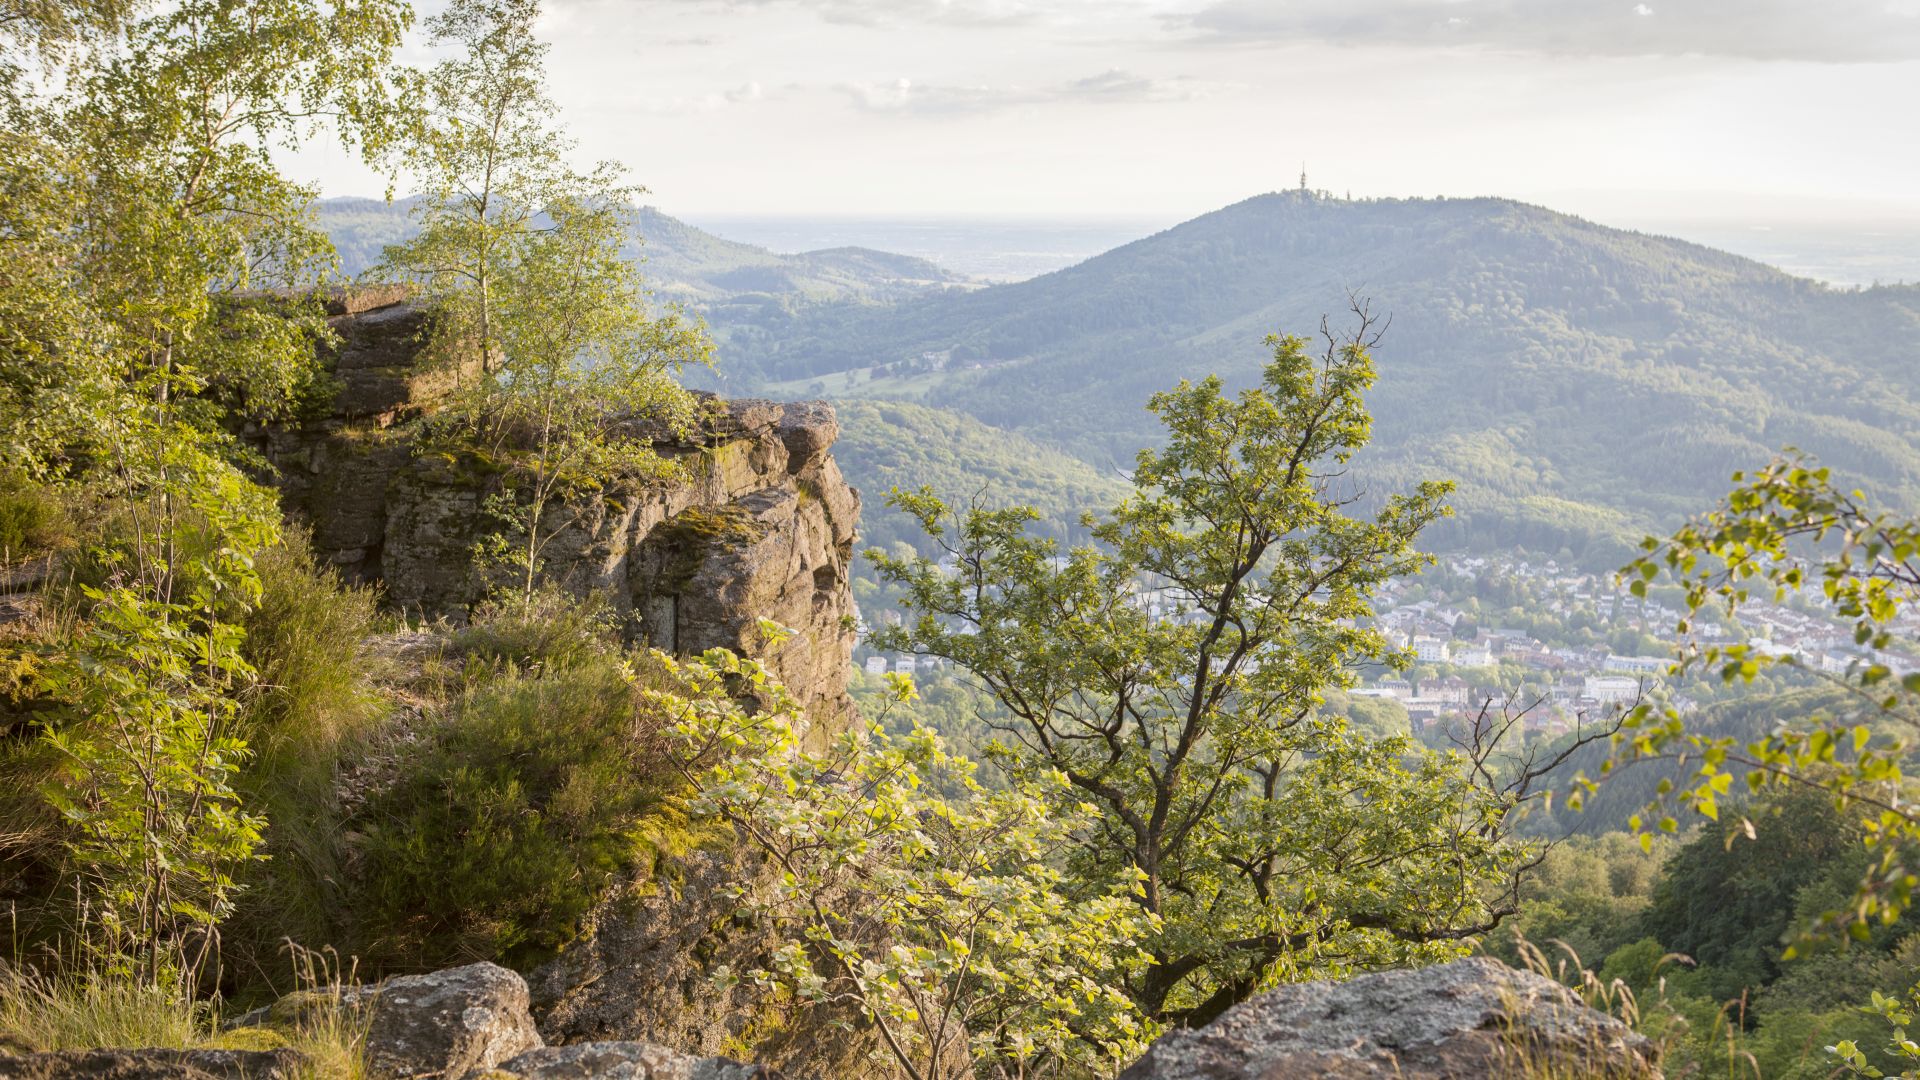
column 34, row 519
column 504, row 831
column 553, row 630
column 313, row 704
column 306, row 637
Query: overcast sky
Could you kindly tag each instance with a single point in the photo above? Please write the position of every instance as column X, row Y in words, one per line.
column 1169, row 108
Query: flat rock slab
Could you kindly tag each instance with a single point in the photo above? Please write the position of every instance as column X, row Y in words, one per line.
column 154, row 1065
column 1464, row 1020
column 628, row 1061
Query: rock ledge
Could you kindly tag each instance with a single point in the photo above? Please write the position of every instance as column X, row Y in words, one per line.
column 1471, row 1018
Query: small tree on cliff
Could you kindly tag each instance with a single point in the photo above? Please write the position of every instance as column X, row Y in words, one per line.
column 522, row 256
column 1268, row 841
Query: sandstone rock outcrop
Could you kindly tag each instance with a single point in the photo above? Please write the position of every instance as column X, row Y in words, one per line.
column 464, row 1023
column 154, row 1065
column 762, row 526
column 1466, row 1020
column 449, row 1024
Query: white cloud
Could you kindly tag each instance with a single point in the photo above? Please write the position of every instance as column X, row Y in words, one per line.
column 1111, row 87
column 1826, row 31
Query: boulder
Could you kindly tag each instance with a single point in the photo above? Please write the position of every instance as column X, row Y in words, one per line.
column 759, row 523
column 279, row 1064
column 448, row 1024
column 1463, row 1020
column 808, row 429
column 628, row 1061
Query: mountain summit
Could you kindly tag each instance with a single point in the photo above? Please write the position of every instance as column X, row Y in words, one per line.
column 1554, row 367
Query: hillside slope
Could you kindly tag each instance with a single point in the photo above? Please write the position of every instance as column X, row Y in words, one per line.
column 682, row 262
column 1581, row 383
column 889, row 444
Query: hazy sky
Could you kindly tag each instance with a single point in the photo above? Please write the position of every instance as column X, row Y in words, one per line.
column 1173, row 107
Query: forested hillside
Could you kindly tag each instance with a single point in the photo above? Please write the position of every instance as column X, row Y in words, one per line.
column 889, row 444
column 1555, row 368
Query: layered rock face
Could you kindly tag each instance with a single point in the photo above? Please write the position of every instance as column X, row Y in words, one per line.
column 762, row 526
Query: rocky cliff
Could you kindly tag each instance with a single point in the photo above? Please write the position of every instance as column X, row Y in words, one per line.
column 761, row 526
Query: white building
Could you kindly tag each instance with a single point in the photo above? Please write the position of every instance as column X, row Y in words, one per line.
column 1473, row 656
column 876, row 665
column 1431, row 650
column 1836, row 663
column 1635, row 665
column 1609, row 689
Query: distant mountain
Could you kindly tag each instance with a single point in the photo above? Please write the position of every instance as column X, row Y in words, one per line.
column 1582, row 384
column 682, row 262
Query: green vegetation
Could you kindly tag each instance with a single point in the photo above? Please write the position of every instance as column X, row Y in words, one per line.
column 1699, row 932
column 905, row 888
column 533, row 790
column 33, row 521
column 143, row 204
column 1211, row 771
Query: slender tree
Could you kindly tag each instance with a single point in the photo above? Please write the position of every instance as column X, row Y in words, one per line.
column 487, row 158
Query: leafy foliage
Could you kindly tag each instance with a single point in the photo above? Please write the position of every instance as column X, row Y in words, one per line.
column 141, row 198
column 1866, row 564
column 906, row 890
column 506, row 827
column 1266, row 839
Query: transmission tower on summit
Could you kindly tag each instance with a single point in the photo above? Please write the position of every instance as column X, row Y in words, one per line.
column 1303, row 178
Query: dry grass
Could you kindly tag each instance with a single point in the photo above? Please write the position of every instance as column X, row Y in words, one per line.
column 42, row 1013
column 1600, row 1058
